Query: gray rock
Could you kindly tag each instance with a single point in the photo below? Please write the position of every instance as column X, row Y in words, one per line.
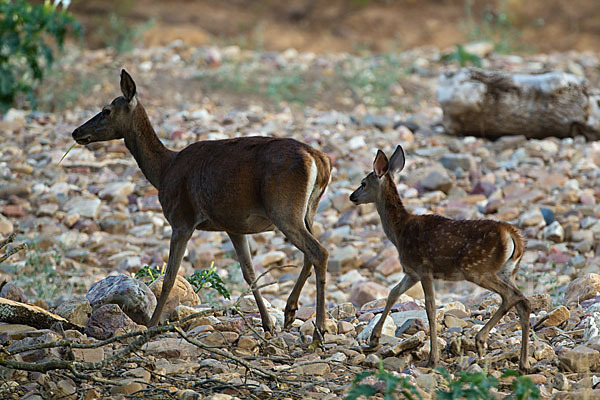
column 453, row 161
column 106, row 320
column 85, row 207
column 39, row 355
column 116, row 189
column 554, row 232
column 389, row 328
column 342, row 311
column 380, row 122
column 533, row 217
column 579, row 359
column 341, row 257
column 437, row 180
column 134, row 297
column 402, row 316
column 13, row 292
column 76, row 310
column 366, row 291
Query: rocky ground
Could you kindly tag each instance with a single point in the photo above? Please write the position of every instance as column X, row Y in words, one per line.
column 94, row 216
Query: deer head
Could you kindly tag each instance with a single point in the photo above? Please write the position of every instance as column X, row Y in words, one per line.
column 374, row 183
column 115, row 118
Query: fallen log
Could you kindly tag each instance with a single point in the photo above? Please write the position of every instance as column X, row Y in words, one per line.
column 13, row 312
column 492, row 104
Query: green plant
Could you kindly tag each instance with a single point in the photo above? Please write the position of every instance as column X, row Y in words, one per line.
column 462, row 57
column 41, row 273
column 117, row 34
column 25, row 53
column 151, row 273
column 392, row 385
column 523, row 388
column 208, row 278
column 495, row 26
column 477, row 386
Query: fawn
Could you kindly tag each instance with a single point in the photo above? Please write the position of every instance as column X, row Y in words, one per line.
column 241, row 186
column 431, row 247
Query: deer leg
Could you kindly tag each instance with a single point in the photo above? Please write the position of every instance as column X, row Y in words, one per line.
column 406, row 283
column 292, row 302
column 509, row 299
column 179, row 239
column 428, row 289
column 242, row 249
column 316, row 255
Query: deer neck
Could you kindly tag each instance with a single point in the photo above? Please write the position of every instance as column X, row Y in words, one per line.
column 391, row 210
column 151, row 155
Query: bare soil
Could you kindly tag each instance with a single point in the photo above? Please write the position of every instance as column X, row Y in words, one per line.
column 352, row 25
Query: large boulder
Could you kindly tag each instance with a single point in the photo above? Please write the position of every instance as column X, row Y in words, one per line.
column 132, row 296
column 182, row 289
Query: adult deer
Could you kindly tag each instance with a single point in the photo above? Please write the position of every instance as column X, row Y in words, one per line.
column 240, row 186
column 431, row 247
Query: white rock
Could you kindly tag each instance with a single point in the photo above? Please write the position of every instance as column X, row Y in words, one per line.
column 389, row 328
column 85, row 207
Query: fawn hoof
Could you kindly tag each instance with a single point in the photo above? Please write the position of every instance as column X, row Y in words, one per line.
column 480, row 346
column 369, row 348
column 431, row 362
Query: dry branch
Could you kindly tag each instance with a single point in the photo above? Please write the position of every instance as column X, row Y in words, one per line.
column 14, row 312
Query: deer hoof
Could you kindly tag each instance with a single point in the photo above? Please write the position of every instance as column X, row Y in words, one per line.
column 290, row 317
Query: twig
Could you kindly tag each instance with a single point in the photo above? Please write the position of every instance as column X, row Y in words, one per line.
column 77, row 345
column 241, row 361
column 9, row 239
column 249, row 324
column 5, row 242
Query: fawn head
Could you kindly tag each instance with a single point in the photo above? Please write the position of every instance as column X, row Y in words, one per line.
column 374, row 182
column 114, row 119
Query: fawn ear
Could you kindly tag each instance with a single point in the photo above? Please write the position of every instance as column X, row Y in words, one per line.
column 397, row 160
column 381, row 164
column 127, row 85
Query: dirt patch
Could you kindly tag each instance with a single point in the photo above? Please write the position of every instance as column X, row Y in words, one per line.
column 352, row 25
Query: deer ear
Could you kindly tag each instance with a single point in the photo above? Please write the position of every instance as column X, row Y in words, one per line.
column 397, row 160
column 127, row 85
column 381, row 164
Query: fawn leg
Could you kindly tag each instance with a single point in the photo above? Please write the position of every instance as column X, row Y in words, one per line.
column 509, row 298
column 428, row 289
column 179, row 239
column 242, row 250
column 406, row 283
column 524, row 311
column 292, row 302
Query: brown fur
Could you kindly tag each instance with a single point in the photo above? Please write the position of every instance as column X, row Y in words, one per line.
column 240, row 186
column 435, row 247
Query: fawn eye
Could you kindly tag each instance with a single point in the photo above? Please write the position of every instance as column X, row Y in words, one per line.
column 105, row 112
column 362, row 185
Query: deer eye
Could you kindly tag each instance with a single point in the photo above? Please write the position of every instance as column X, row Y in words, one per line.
column 363, row 184
column 105, row 112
